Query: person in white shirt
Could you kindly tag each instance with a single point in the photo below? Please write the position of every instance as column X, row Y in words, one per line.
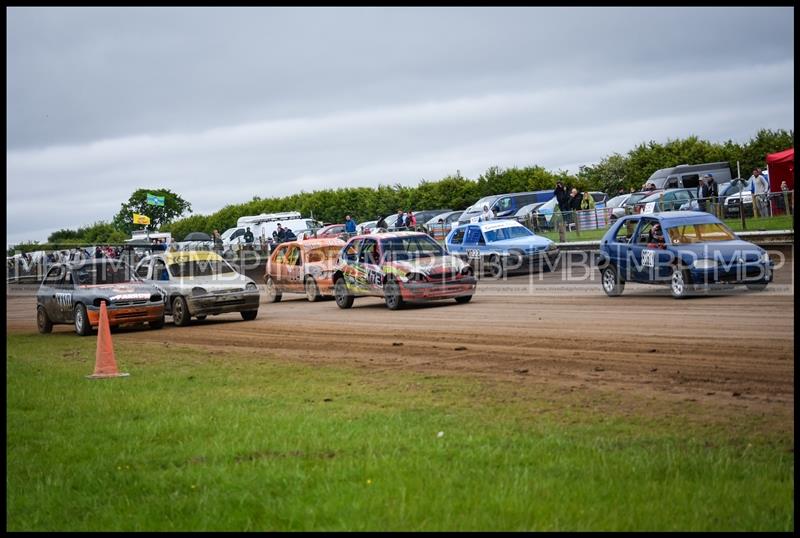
column 487, row 214
column 759, row 187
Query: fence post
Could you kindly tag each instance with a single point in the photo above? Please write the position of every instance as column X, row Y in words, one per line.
column 562, row 234
column 577, row 223
column 786, row 202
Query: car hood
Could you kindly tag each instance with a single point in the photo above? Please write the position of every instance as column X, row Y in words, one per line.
column 523, row 243
column 426, row 266
column 724, row 250
column 127, row 288
column 214, row 283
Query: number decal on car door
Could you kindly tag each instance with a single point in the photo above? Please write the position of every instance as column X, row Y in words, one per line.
column 473, row 253
column 648, row 258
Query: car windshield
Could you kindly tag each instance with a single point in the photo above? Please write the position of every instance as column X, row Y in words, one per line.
column 321, row 254
column 193, row 268
column 635, row 197
column 112, row 272
column 510, row 232
column 407, row 248
column 684, row 234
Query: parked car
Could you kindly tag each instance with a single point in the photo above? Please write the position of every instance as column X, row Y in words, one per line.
column 526, row 212
column 302, row 267
column 688, row 175
column 504, row 205
column 696, row 251
column 501, row 247
column 664, row 200
column 331, row 230
column 439, row 231
column 199, row 284
column 366, row 227
column 71, row 293
column 427, row 214
column 400, row 267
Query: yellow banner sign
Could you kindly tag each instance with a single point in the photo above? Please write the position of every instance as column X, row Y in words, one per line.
column 140, row 219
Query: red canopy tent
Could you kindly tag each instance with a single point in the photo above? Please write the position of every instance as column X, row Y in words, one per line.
column 781, row 168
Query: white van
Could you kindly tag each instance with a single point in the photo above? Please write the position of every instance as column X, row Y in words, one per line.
column 263, row 225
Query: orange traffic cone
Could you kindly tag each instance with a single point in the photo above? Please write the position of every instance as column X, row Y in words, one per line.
column 105, row 365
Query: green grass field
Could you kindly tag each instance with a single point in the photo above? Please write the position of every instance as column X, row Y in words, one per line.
column 206, row 440
column 783, row 222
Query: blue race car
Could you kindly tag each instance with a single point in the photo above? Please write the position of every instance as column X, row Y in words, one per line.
column 500, row 247
column 688, row 250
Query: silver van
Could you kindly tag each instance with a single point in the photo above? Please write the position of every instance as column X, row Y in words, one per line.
column 688, row 175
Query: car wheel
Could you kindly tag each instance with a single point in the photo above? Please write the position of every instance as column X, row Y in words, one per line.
column 43, row 322
column 312, row 291
column 613, row 285
column 464, row 299
column 496, row 268
column 344, row 299
column 679, row 283
column 273, row 295
column 180, row 312
column 82, row 326
column 249, row 315
column 391, row 294
column 757, row 286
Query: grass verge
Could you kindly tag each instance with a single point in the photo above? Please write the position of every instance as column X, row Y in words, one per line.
column 201, row 440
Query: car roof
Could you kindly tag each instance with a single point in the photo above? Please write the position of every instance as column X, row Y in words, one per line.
column 389, row 235
column 673, row 218
column 493, row 224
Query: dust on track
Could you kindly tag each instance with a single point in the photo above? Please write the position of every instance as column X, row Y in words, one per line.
column 729, row 355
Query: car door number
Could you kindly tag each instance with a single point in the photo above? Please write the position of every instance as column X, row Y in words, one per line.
column 473, row 253
column 375, row 278
column 64, row 299
column 648, row 258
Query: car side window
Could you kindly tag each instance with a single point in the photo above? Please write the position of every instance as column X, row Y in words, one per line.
column 369, row 252
column 350, row 252
column 458, row 236
column 644, row 235
column 293, row 256
column 474, row 236
column 144, row 268
column 53, row 276
column 504, row 204
column 160, row 271
column 625, row 231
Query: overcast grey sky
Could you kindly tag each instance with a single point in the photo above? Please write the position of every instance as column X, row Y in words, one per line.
column 223, row 104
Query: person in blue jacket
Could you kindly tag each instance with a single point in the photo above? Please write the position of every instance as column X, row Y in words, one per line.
column 349, row 225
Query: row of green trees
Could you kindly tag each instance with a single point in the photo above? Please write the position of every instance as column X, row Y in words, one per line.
column 612, row 173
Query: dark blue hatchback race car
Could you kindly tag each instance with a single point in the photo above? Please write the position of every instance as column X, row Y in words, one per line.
column 688, row 250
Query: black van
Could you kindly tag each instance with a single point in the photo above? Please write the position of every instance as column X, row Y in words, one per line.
column 688, row 175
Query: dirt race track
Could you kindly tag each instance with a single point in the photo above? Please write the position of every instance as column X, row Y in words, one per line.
column 730, row 354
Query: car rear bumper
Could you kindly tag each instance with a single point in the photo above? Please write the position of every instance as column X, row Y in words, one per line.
column 126, row 314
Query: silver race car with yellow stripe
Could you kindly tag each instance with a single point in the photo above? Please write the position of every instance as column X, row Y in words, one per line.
column 199, row 284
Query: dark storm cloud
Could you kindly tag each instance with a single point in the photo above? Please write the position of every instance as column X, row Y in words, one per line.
column 223, row 104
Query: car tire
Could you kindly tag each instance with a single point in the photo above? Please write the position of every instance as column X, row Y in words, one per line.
column 611, row 281
column 679, row 284
column 496, row 266
column 757, row 286
column 180, row 312
column 464, row 299
column 392, row 295
column 82, row 325
column 156, row 324
column 343, row 297
column 273, row 295
column 312, row 290
column 43, row 323
column 249, row 315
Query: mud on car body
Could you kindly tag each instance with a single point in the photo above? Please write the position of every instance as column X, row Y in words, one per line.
column 500, row 247
column 73, row 292
column 302, row 267
column 697, row 252
column 199, row 283
column 400, row 267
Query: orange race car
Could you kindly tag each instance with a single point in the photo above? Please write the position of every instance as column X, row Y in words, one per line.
column 302, row 267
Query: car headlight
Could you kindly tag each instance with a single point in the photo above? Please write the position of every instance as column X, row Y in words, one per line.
column 705, row 264
column 251, row 286
column 198, row 291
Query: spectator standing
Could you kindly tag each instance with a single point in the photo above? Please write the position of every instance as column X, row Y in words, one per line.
column 487, row 214
column 587, row 202
column 381, row 223
column 759, row 187
column 217, row 240
column 573, row 204
column 562, row 198
column 281, row 233
column 400, row 222
column 349, row 225
column 411, row 220
column 249, row 238
column 708, row 193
